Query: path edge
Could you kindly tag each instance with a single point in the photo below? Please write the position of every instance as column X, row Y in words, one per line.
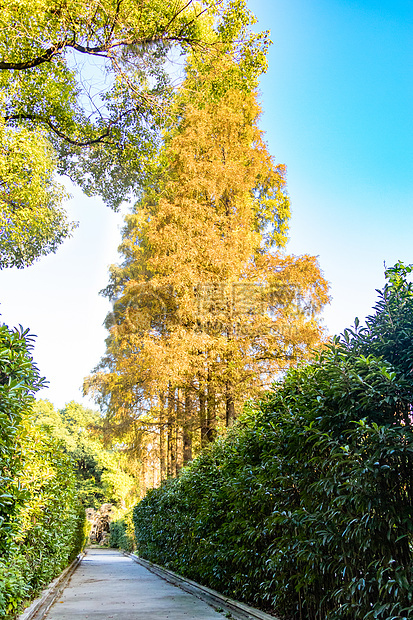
column 239, row 611
column 41, row 605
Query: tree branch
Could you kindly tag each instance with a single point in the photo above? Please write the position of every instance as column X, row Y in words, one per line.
column 56, row 130
column 34, row 62
column 85, row 49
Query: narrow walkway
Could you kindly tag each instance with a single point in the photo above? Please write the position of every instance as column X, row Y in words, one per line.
column 109, row 585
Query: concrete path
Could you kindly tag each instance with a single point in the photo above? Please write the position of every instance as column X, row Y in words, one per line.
column 109, row 585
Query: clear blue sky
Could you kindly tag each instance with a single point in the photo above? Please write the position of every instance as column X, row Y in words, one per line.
column 338, row 111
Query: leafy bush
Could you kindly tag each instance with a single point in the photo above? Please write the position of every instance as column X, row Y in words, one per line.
column 48, row 527
column 306, row 507
column 19, row 380
column 13, row 588
column 122, row 534
column 80, row 531
column 41, row 522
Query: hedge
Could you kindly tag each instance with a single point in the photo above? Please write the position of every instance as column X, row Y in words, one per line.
column 305, row 508
column 41, row 522
column 122, row 535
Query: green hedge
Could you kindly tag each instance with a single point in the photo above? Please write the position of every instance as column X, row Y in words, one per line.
column 19, row 380
column 306, row 507
column 122, row 532
column 41, row 522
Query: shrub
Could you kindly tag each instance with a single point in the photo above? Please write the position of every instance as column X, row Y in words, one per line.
column 19, row 380
column 306, row 507
column 41, row 522
column 49, row 525
column 122, row 534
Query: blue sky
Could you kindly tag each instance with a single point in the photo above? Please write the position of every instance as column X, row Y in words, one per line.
column 338, row 111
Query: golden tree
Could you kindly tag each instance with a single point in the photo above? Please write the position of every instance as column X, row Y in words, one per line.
column 207, row 307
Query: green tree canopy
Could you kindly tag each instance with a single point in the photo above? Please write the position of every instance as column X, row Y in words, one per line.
column 32, row 220
column 89, row 81
column 100, row 476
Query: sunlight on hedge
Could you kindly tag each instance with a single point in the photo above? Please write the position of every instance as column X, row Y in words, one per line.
column 41, row 521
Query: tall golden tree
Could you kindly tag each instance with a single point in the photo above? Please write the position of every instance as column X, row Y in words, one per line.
column 207, row 307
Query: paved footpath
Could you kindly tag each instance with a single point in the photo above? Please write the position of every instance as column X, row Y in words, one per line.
column 109, row 585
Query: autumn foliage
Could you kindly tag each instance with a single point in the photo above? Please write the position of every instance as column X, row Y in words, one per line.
column 207, row 307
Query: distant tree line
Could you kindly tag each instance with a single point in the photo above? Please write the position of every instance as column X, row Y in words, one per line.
column 101, row 477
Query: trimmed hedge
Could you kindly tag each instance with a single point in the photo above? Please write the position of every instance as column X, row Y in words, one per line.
column 42, row 524
column 306, row 508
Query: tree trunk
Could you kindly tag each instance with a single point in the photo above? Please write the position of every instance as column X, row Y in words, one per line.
column 229, row 406
column 187, row 428
column 171, row 433
column 203, row 416
column 143, row 486
column 178, row 433
column 211, row 411
column 162, row 439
